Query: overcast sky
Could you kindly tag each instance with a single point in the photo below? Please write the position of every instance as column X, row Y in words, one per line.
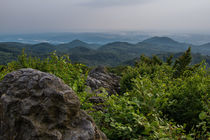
column 30, row 16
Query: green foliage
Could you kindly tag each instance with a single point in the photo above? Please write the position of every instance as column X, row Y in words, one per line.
column 118, row 70
column 169, row 60
column 187, row 98
column 145, row 66
column 149, row 61
column 158, row 101
column 73, row 74
column 126, row 118
column 126, row 82
column 179, row 93
column 1, row 67
column 181, row 64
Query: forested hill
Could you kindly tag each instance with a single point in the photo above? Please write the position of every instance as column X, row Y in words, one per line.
column 113, row 54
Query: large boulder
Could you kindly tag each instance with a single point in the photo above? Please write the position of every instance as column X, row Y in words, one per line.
column 99, row 77
column 38, row 106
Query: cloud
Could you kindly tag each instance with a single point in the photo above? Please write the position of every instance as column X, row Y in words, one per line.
column 112, row 3
column 103, row 15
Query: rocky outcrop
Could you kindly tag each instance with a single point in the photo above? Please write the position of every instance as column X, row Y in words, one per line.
column 99, row 77
column 38, row 106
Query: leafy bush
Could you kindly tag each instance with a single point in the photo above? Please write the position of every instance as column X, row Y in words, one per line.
column 73, row 74
column 125, row 118
column 158, row 101
column 186, row 98
column 179, row 93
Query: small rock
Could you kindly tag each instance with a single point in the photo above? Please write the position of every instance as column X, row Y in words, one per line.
column 99, row 77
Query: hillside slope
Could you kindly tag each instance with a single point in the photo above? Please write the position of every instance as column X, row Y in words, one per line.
column 113, row 53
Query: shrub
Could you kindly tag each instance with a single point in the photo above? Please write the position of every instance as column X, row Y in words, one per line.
column 159, row 101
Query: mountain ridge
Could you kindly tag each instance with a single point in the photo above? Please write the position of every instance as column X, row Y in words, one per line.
column 93, row 54
column 160, row 40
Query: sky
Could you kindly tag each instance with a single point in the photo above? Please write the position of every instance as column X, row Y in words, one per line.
column 36, row 16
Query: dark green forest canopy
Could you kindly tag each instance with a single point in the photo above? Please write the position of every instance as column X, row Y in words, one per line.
column 112, row 54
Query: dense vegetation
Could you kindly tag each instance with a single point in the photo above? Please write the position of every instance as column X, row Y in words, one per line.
column 111, row 54
column 158, row 100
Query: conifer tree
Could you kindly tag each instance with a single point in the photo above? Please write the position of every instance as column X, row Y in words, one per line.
column 181, row 64
column 169, row 60
column 156, row 60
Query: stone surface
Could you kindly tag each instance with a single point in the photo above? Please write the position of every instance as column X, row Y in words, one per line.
column 38, row 106
column 99, row 77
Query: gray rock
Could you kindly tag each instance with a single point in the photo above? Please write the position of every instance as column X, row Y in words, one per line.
column 38, row 106
column 99, row 77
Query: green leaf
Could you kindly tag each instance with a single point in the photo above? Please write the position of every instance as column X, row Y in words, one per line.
column 202, row 115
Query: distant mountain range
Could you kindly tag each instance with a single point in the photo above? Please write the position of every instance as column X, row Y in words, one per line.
column 114, row 53
column 101, row 38
column 90, row 37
